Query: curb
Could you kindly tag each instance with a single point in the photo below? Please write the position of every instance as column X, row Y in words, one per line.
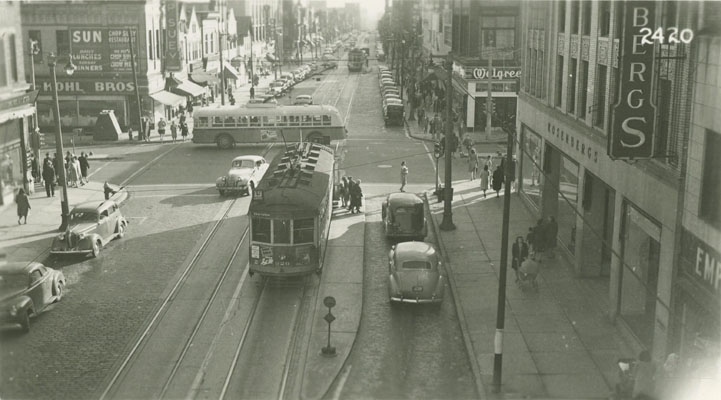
column 475, row 142
column 475, row 367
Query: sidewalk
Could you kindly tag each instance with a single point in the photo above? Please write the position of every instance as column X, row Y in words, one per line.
column 30, row 242
column 557, row 342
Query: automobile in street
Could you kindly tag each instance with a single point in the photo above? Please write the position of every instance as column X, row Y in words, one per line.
column 91, row 227
column 243, row 176
column 393, row 113
column 276, row 88
column 395, row 96
column 26, row 290
column 414, row 274
column 391, row 90
column 404, row 217
column 303, row 99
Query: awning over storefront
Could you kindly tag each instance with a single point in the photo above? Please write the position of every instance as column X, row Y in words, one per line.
column 188, row 88
column 16, row 113
column 204, row 78
column 230, row 72
column 430, row 76
column 168, row 98
column 270, row 57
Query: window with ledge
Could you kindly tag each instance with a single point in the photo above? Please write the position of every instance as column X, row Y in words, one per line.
column 562, row 16
column 710, row 199
column 261, row 230
column 586, row 17
column 281, row 231
column 13, row 58
column 583, row 86
column 604, row 18
column 571, row 99
column 559, row 81
column 599, row 106
column 303, row 231
column 574, row 16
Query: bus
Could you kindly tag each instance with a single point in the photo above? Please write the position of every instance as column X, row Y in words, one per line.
column 226, row 126
column 356, row 59
column 290, row 212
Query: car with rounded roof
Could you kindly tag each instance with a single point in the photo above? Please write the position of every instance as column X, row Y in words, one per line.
column 303, row 99
column 243, row 176
column 415, row 274
column 91, row 226
column 404, row 216
column 26, row 290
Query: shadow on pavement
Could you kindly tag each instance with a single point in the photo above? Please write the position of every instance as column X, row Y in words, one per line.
column 196, row 198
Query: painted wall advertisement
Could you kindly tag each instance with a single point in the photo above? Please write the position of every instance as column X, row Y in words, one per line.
column 632, row 126
column 98, row 50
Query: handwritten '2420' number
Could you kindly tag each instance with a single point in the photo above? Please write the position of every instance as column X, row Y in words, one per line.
column 684, row 36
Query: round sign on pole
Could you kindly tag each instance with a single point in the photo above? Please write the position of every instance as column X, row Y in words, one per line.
column 329, row 301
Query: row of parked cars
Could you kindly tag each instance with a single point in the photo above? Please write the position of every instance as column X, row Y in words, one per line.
column 287, row 80
column 393, row 109
column 27, row 289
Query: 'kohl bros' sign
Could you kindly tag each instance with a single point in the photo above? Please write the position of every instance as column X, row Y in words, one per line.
column 88, row 87
column 632, row 127
column 482, row 73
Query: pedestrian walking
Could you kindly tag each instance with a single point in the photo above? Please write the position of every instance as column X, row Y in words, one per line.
column 540, row 237
column 356, row 197
column 531, row 239
column 454, row 144
column 184, row 130
column 472, row 163
column 484, row 175
column 23, row 205
column 343, row 191
column 161, row 128
column 467, row 143
column 404, row 175
column 489, row 162
column 173, row 129
column 75, row 173
column 421, row 116
column 497, row 180
column 351, row 183
column 520, row 254
column 34, row 168
column 84, row 168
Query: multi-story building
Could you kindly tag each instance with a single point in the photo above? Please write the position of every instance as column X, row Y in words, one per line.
column 436, row 23
column 16, row 103
column 96, row 35
column 696, row 322
column 602, row 124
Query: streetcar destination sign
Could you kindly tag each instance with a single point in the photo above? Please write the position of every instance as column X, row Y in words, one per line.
column 633, row 120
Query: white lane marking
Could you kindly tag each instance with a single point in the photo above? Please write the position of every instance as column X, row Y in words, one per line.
column 229, row 311
column 385, row 166
column 163, row 185
column 341, row 382
column 136, row 196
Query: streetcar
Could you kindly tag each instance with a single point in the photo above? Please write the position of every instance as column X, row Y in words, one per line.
column 356, row 60
column 290, row 212
column 226, row 126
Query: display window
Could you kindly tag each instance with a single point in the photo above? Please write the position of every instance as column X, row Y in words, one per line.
column 531, row 162
column 641, row 239
column 567, row 198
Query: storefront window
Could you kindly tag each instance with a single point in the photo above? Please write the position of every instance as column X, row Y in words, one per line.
column 531, row 177
column 641, row 252
column 568, row 186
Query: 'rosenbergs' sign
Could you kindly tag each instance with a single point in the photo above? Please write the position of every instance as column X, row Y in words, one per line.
column 632, row 126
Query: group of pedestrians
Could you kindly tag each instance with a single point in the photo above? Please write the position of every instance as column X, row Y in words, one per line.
column 528, row 254
column 542, row 238
column 351, row 194
column 177, row 125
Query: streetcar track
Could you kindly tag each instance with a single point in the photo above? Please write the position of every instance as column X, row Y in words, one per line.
column 162, row 308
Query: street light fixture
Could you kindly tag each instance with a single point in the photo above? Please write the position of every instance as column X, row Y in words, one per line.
column 64, row 202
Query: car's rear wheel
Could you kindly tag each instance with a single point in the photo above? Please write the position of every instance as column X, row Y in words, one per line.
column 59, row 289
column 225, row 141
column 25, row 322
column 96, row 248
column 121, row 230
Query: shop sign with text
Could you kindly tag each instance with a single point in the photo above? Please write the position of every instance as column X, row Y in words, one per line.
column 632, row 126
column 497, row 73
column 702, row 263
column 99, row 49
column 88, row 87
column 172, row 47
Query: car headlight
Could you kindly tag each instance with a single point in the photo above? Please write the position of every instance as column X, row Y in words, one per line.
column 14, row 310
column 61, row 237
column 81, row 236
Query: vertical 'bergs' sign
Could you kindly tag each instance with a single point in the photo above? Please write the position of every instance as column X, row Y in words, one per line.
column 633, row 123
column 172, row 47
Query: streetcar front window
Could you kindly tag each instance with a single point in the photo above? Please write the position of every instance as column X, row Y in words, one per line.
column 303, row 231
column 281, row 231
column 261, row 230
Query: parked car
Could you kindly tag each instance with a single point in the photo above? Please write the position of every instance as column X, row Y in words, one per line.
column 415, row 274
column 303, row 99
column 395, row 96
column 91, row 226
column 276, row 88
column 404, row 217
column 391, row 90
column 393, row 114
column 244, row 174
column 26, row 289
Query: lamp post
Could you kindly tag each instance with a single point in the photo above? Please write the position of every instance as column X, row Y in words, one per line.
column 64, row 203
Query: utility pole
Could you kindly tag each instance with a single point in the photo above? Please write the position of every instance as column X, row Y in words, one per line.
column 447, row 223
column 222, row 72
column 501, row 306
column 489, row 96
column 135, row 81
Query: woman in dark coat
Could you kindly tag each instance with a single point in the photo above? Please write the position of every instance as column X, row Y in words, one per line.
column 23, row 205
column 497, row 180
column 520, row 253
